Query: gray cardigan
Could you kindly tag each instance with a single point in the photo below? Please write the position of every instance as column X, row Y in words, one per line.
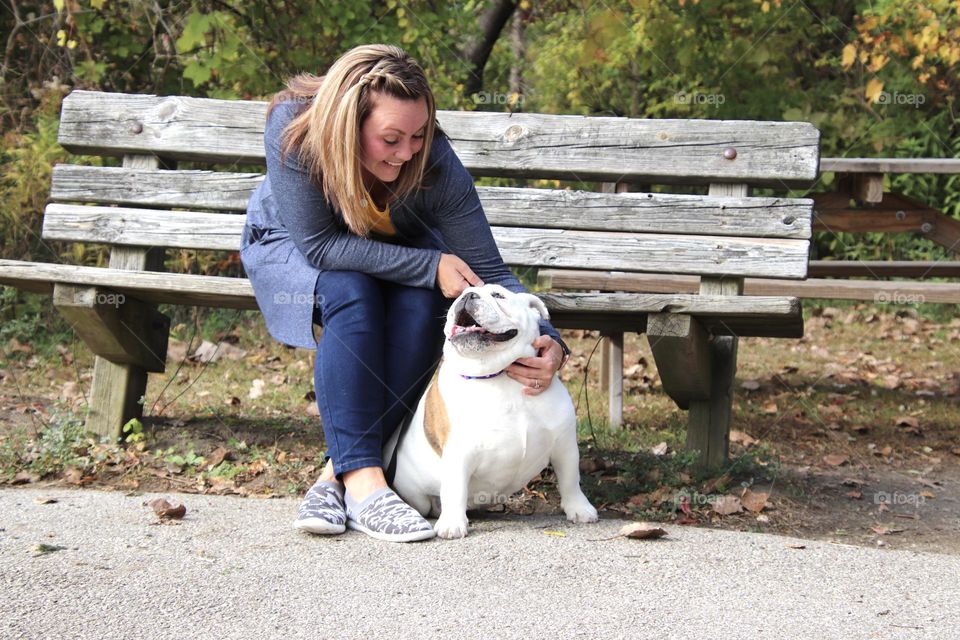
column 292, row 234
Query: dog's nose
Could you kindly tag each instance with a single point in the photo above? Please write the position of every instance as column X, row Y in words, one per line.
column 473, row 295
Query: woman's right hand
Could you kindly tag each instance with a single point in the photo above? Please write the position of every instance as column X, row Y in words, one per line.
column 453, row 276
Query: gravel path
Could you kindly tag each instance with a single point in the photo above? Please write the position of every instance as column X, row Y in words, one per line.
column 235, row 568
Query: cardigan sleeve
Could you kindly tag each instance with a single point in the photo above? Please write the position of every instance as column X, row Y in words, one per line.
column 315, row 230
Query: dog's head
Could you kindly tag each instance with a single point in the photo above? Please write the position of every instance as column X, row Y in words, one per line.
column 489, row 327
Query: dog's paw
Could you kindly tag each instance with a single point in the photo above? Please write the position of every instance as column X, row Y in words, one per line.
column 451, row 527
column 579, row 510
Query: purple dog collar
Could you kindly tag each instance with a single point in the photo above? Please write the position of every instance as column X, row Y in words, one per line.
column 492, row 375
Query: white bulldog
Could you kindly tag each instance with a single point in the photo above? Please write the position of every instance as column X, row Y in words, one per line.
column 475, row 438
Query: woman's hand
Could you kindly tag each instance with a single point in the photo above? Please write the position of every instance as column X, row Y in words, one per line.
column 536, row 373
column 453, row 276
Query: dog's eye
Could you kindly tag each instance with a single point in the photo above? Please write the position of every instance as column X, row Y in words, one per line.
column 497, row 294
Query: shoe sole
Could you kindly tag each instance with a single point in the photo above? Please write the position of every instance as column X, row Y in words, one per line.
column 318, row 526
column 413, row 536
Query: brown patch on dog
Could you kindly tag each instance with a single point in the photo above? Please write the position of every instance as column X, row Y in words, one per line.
column 436, row 423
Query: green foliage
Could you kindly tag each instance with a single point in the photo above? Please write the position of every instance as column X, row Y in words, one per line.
column 188, row 459
column 134, row 430
column 61, row 443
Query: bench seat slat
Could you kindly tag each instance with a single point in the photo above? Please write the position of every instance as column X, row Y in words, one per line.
column 873, row 290
column 661, row 253
column 519, row 145
column 755, row 315
column 506, row 206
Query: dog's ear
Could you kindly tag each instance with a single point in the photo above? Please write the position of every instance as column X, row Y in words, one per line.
column 537, row 303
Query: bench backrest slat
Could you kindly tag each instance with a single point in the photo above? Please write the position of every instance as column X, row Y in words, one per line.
column 506, row 206
column 641, row 252
column 496, row 144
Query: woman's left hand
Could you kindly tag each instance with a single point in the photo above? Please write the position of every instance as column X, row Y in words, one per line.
column 536, row 373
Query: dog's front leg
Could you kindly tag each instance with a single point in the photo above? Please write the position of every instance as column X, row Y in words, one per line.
column 456, row 468
column 565, row 458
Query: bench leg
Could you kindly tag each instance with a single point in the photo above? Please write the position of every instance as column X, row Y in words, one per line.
column 611, row 376
column 129, row 339
column 116, row 397
column 708, row 427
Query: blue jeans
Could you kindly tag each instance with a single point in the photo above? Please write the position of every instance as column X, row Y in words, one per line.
column 380, row 343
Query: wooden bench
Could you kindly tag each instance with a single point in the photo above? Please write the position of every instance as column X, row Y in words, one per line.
column 147, row 206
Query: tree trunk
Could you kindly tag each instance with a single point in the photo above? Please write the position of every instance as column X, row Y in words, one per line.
column 478, row 51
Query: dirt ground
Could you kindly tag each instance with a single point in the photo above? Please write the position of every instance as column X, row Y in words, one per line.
column 848, row 435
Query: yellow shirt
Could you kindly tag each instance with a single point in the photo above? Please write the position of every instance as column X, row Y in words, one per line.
column 382, row 223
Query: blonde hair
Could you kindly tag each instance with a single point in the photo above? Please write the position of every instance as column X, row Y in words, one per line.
column 326, row 134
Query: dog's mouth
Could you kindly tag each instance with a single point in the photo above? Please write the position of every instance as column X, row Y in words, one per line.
column 467, row 325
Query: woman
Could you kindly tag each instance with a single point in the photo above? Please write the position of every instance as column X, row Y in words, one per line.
column 367, row 224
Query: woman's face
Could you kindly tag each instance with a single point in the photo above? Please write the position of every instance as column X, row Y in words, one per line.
column 390, row 136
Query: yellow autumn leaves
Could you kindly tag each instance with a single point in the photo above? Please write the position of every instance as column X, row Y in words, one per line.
column 926, row 39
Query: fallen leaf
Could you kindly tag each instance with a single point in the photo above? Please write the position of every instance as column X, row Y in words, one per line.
column 851, row 482
column 256, row 389
column 71, row 391
column 741, row 437
column 795, row 546
column 770, row 408
column 727, row 505
column 907, row 421
column 885, row 531
column 73, row 475
column 955, row 451
column 927, row 494
column 206, row 352
column 278, row 379
column 232, row 401
column 16, row 345
column 754, row 502
column 856, row 495
column 642, row 531
column 230, row 352
column 558, row 534
column 219, row 455
column 836, row 460
column 256, row 467
column 660, row 450
column 591, row 464
column 165, row 510
column 313, row 410
column 25, row 477
column 710, row 485
column 44, row 500
column 750, row 385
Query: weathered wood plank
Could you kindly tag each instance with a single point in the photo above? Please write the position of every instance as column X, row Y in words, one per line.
column 504, row 206
column 122, row 330
column 884, row 269
column 663, row 253
column 890, row 165
column 659, row 253
column 236, row 293
column 149, row 286
column 184, row 189
column 681, row 350
column 697, row 305
column 894, row 291
column 521, row 145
